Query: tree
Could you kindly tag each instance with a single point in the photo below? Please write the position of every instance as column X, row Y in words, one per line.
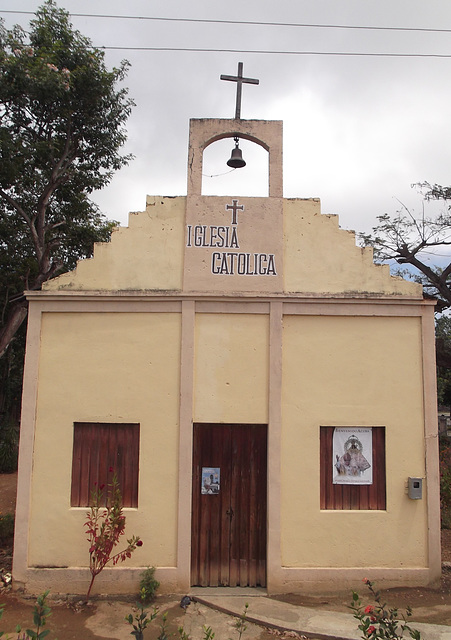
column 61, row 130
column 443, row 352
column 407, row 238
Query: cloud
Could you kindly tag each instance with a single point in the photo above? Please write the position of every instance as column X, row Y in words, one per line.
column 357, row 130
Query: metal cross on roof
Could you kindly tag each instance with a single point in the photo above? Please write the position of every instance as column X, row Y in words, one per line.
column 239, row 83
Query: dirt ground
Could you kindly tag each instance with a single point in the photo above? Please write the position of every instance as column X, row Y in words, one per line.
column 8, row 486
column 72, row 619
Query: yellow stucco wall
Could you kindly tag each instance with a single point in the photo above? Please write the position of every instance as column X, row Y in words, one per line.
column 344, row 372
column 131, row 361
column 321, row 257
column 106, row 367
column 146, row 255
column 231, row 368
column 317, row 256
column 147, row 331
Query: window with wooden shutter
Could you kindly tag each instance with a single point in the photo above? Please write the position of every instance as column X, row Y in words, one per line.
column 352, row 496
column 101, row 449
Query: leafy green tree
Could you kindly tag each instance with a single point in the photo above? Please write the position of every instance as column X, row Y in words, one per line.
column 443, row 353
column 408, row 239
column 62, row 120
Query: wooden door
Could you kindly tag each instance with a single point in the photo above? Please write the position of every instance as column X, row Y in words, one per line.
column 228, row 543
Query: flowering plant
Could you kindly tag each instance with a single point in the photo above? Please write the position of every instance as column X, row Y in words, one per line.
column 378, row 621
column 104, row 526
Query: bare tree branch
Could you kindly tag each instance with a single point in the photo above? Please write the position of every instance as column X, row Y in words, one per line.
column 407, row 237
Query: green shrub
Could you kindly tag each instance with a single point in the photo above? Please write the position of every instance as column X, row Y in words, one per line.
column 445, row 518
column 148, row 585
column 9, row 448
column 6, row 527
column 445, row 482
column 41, row 612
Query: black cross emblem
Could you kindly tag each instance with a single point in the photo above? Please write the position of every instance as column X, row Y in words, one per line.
column 234, row 207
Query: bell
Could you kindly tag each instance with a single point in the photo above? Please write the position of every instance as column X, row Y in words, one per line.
column 236, row 159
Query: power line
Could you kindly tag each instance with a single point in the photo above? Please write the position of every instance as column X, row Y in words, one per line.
column 245, row 22
column 285, row 53
column 259, row 23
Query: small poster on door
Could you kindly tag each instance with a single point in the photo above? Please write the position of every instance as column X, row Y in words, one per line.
column 352, row 455
column 210, row 480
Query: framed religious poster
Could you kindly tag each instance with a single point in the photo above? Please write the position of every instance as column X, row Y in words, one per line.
column 210, row 480
column 352, row 457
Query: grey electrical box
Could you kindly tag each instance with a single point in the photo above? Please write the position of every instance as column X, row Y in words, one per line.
column 415, row 488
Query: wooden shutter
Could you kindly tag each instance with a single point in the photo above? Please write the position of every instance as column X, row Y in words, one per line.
column 99, row 450
column 348, row 496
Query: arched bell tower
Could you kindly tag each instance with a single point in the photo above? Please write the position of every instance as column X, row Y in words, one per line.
column 266, row 133
column 234, row 244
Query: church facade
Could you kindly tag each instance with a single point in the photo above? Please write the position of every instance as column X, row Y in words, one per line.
column 264, row 392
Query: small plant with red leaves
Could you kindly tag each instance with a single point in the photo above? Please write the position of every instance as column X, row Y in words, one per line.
column 378, row 621
column 105, row 525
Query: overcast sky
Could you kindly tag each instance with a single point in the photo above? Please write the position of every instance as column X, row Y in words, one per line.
column 358, row 130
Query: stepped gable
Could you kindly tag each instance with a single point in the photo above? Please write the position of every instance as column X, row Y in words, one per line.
column 319, row 258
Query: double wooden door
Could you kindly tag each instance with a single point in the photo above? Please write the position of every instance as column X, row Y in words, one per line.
column 228, row 543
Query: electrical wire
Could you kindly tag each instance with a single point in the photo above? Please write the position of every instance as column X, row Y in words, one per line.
column 261, row 23
column 246, row 22
column 275, row 52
